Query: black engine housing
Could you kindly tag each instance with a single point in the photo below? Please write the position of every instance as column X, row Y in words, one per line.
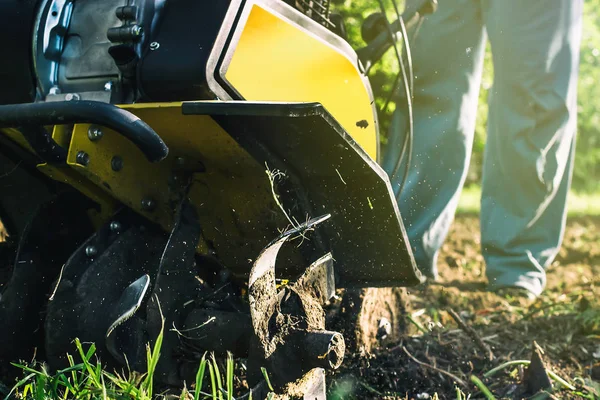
column 16, row 24
column 114, row 51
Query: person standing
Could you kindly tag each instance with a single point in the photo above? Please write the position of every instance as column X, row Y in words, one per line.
column 532, row 122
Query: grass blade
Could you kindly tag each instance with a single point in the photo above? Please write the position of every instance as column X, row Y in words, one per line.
column 200, row 377
column 266, row 375
column 90, row 352
column 85, row 358
column 560, row 380
column 218, row 377
column 19, row 384
column 459, row 394
column 481, row 386
column 213, row 383
column 28, row 369
column 104, row 396
column 154, row 355
column 229, row 378
column 40, row 386
column 505, row 365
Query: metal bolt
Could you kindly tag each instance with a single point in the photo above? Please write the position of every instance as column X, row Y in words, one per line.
column 108, row 86
column 148, row 204
column 82, row 158
column 91, row 251
column 180, row 161
column 54, row 90
column 154, row 46
column 116, row 163
column 115, row 226
column 72, row 96
column 95, row 133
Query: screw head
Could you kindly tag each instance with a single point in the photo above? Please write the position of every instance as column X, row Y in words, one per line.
column 154, row 46
column 82, row 158
column 91, row 251
column 115, row 226
column 95, row 133
column 72, row 97
column 116, row 163
column 148, row 204
column 54, row 90
column 108, row 86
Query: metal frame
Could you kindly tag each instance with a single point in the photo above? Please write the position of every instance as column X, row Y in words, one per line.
column 231, row 31
column 265, row 130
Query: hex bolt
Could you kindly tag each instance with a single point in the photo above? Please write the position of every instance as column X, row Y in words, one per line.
column 91, row 251
column 54, row 90
column 82, row 158
column 72, row 96
column 115, row 226
column 116, row 163
column 148, row 204
column 95, row 133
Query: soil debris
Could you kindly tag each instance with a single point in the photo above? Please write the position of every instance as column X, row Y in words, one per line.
column 437, row 352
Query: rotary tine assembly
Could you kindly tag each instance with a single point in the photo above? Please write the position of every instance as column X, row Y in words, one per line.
column 289, row 323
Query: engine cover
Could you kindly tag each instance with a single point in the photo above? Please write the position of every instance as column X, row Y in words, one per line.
column 89, row 50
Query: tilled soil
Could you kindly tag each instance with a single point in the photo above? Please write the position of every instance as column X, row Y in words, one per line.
column 437, row 358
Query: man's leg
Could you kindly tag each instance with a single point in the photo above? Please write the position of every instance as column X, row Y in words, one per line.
column 529, row 149
column 447, row 57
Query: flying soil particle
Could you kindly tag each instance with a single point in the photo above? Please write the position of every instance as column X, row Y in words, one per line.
column 362, row 124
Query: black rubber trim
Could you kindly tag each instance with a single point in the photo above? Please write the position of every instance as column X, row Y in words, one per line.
column 83, row 111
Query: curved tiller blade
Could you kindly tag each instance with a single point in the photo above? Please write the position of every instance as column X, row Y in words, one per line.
column 262, row 288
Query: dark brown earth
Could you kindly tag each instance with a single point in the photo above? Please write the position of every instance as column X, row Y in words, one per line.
column 436, row 358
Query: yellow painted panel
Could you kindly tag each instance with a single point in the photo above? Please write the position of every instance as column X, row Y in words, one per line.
column 62, row 173
column 275, row 60
column 16, row 137
column 229, row 188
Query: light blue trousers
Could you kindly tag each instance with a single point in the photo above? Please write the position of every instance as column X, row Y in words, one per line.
column 530, row 142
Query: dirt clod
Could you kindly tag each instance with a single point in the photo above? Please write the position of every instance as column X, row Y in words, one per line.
column 564, row 321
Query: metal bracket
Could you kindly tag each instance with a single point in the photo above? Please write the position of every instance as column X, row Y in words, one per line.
column 57, row 24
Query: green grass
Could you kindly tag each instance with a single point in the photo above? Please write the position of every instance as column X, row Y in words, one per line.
column 87, row 379
column 578, row 203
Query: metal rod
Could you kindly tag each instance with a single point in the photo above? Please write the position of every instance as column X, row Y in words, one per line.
column 83, row 111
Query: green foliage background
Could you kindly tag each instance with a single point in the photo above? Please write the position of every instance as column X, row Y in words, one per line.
column 586, row 176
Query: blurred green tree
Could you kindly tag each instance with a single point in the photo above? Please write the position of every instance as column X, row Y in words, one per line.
column 586, row 177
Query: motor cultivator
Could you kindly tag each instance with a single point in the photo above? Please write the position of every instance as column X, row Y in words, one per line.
column 158, row 157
